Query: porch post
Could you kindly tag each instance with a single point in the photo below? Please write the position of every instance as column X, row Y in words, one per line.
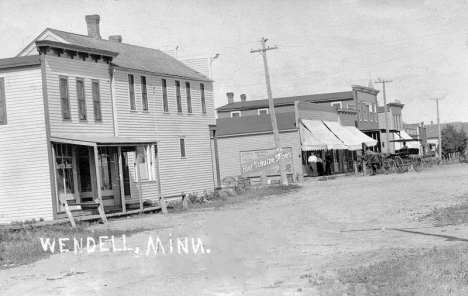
column 122, row 192
column 140, row 195
column 98, row 181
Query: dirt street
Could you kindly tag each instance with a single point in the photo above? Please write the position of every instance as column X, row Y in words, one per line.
column 261, row 247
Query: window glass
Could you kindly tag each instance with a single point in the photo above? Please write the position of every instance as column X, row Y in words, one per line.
column 96, row 101
column 144, row 94
column 64, row 168
column 131, row 89
column 165, row 103
column 203, row 101
column 182, row 147
column 189, row 97
column 80, row 93
column 65, row 102
column 179, row 99
column 3, row 114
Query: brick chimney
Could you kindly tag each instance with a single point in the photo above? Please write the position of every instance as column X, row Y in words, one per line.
column 230, row 96
column 243, row 97
column 93, row 26
column 115, row 38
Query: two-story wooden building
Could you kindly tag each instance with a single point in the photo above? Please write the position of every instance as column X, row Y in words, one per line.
column 99, row 119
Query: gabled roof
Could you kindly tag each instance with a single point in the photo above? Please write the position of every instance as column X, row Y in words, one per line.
column 134, row 57
column 20, row 62
column 254, row 124
column 286, row 101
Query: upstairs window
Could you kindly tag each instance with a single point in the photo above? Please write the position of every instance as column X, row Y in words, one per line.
column 164, row 89
column 189, row 97
column 64, row 98
column 235, row 114
column 336, row 105
column 80, row 93
column 131, row 90
column 3, row 114
column 351, row 106
column 144, row 94
column 179, row 99
column 202, row 95
column 360, row 110
column 262, row 111
column 96, row 101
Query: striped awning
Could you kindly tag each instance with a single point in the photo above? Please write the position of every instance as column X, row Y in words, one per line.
column 321, row 134
column 344, row 134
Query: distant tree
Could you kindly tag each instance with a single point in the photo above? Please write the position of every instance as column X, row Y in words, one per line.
column 453, row 140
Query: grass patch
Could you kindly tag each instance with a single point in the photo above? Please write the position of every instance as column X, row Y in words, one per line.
column 232, row 196
column 439, row 271
column 451, row 215
column 23, row 245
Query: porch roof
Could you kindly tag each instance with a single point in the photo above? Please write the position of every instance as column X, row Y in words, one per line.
column 99, row 140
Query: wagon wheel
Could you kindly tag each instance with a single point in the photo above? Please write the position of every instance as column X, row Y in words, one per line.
column 400, row 165
column 389, row 166
column 417, row 166
column 229, row 182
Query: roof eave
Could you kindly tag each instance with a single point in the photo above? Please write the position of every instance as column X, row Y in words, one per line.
column 161, row 74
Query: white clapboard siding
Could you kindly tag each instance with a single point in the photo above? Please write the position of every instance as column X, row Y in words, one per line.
column 229, row 149
column 76, row 68
column 25, row 191
column 191, row 174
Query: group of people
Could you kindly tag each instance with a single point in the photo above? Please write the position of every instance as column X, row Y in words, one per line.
column 317, row 162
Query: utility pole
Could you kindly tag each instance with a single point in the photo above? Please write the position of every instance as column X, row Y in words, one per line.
column 284, row 179
column 387, row 134
column 438, row 125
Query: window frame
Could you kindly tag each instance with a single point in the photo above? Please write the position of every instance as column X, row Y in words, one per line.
column 144, row 93
column 96, row 99
column 178, row 97
column 263, row 109
column 189, row 97
column 131, row 92
column 360, row 110
column 336, row 103
column 83, row 99
column 66, row 114
column 164, row 94
column 183, row 148
column 351, row 105
column 3, row 116
column 233, row 112
column 149, row 163
column 203, row 98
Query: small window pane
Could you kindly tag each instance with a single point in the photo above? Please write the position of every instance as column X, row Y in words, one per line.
column 80, row 93
column 165, row 103
column 179, row 99
column 144, row 94
column 203, row 101
column 182, row 147
column 3, row 115
column 96, row 101
column 131, row 88
column 189, row 98
column 65, row 102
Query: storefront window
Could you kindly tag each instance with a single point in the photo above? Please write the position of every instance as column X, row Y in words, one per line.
column 64, row 168
column 105, row 165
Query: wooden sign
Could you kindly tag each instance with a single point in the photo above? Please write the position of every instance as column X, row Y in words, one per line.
column 255, row 162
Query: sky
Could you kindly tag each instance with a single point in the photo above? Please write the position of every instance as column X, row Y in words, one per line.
column 323, row 46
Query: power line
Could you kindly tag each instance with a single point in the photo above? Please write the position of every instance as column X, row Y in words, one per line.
column 352, row 69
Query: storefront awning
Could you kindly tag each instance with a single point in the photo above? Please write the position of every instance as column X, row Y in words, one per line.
column 363, row 138
column 344, row 134
column 99, row 140
column 309, row 142
column 323, row 134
